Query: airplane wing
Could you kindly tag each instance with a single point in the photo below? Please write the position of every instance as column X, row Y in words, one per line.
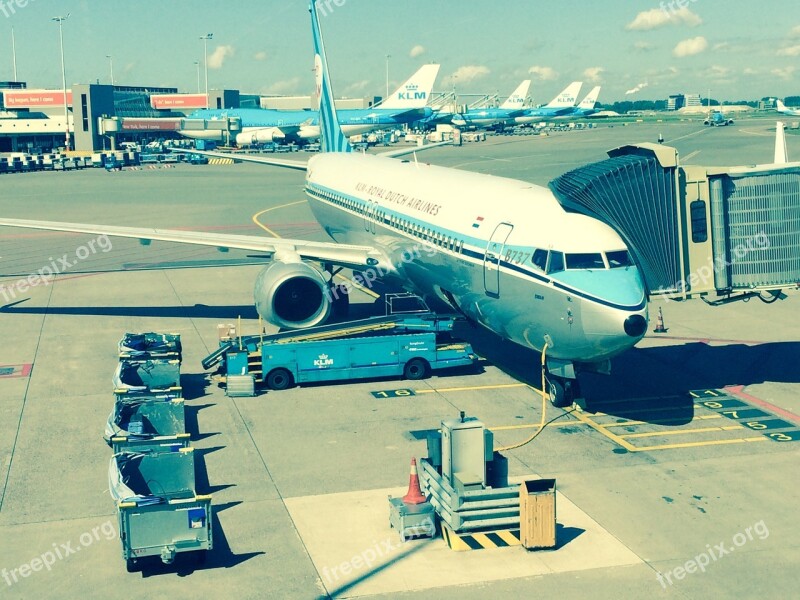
column 263, row 160
column 340, row 254
column 412, row 149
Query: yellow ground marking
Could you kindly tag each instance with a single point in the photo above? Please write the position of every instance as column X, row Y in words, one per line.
column 275, row 235
column 681, row 431
column 659, row 421
column 470, row 388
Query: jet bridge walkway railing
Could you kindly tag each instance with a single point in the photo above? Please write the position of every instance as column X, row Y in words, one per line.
column 731, row 233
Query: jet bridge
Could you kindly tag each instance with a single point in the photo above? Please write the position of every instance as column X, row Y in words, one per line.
column 719, row 233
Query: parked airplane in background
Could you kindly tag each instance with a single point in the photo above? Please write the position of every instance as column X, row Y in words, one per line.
column 488, row 117
column 716, row 119
column 562, row 104
column 586, row 107
column 503, row 252
column 405, row 105
column 782, row 108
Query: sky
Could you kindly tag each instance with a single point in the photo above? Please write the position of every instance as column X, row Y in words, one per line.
column 634, row 49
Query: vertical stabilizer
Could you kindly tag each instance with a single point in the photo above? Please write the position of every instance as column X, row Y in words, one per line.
column 333, row 140
column 517, row 99
column 415, row 92
column 590, row 100
column 781, row 155
column 568, row 97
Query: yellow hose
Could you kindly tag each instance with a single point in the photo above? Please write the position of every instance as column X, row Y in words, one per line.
column 544, row 408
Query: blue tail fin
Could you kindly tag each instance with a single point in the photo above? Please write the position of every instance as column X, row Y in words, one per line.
column 333, row 140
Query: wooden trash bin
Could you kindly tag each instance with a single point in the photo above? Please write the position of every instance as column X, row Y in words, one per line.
column 537, row 513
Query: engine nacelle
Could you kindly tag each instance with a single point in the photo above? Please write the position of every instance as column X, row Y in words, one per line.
column 259, row 136
column 292, row 295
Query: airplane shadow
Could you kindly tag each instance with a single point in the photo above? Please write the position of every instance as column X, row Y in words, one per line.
column 651, row 384
column 198, row 311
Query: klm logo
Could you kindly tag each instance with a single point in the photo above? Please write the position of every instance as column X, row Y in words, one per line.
column 412, row 95
column 323, row 361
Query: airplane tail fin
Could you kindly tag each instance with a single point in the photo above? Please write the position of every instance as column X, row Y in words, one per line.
column 568, row 97
column 591, row 99
column 333, row 140
column 517, row 98
column 781, row 155
column 415, row 92
column 779, row 105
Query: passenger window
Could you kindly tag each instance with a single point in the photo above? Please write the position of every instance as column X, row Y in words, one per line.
column 540, row 258
column 699, row 221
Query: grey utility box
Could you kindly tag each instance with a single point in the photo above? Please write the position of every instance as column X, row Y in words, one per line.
column 464, row 454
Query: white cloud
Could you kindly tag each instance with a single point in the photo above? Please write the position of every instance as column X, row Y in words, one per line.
column 795, row 32
column 417, row 51
column 217, row 58
column 285, row 86
column 785, row 73
column 636, row 89
column 790, row 51
column 658, row 17
column 469, row 73
column 543, row 73
column 719, row 72
column 593, row 74
column 690, row 47
column 750, row 71
column 260, row 56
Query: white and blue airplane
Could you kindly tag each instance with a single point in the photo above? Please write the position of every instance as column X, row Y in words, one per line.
column 406, row 105
column 563, row 104
column 586, row 106
column 503, row 252
column 783, row 109
column 488, row 117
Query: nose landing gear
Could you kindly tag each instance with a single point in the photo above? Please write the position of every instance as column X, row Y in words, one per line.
column 562, row 392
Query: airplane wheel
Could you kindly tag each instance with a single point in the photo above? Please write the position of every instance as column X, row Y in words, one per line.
column 415, row 369
column 561, row 392
column 279, row 379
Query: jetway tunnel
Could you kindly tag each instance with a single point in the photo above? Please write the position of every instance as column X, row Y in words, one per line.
column 720, row 233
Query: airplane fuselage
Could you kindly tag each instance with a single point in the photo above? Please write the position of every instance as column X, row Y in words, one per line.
column 477, row 242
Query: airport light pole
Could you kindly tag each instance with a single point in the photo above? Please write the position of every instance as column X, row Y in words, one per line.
column 60, row 21
column 14, row 53
column 197, row 66
column 111, row 67
column 205, row 39
column 385, row 98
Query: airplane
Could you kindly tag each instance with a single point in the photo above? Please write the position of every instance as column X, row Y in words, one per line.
column 563, row 104
column 489, row 117
column 502, row 252
column 782, row 108
column 586, row 107
column 716, row 119
column 405, row 105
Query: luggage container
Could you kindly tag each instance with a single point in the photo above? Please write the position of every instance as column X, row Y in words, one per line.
column 146, row 422
column 150, row 345
column 163, row 376
column 159, row 512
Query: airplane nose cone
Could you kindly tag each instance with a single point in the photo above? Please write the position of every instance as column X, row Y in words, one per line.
column 635, row 325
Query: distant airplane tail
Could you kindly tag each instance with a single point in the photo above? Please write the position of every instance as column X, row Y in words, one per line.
column 590, row 100
column 415, row 92
column 517, row 98
column 568, row 97
column 333, row 140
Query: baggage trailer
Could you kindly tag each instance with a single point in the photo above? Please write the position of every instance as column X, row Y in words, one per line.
column 150, row 345
column 146, row 422
column 408, row 345
column 148, row 375
column 159, row 512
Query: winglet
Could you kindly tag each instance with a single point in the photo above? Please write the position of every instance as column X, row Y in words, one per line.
column 333, row 140
column 781, row 155
column 517, row 99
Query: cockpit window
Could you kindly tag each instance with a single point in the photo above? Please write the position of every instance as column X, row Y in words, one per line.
column 555, row 262
column 619, row 258
column 593, row 260
column 540, row 258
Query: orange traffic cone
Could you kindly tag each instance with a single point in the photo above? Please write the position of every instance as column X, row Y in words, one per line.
column 414, row 495
column 660, row 323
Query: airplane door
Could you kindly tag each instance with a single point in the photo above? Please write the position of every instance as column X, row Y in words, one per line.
column 369, row 217
column 491, row 261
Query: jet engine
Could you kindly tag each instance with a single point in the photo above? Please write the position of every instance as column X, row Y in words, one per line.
column 259, row 136
column 292, row 294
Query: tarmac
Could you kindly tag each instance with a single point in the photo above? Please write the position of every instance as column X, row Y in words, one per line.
column 676, row 477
